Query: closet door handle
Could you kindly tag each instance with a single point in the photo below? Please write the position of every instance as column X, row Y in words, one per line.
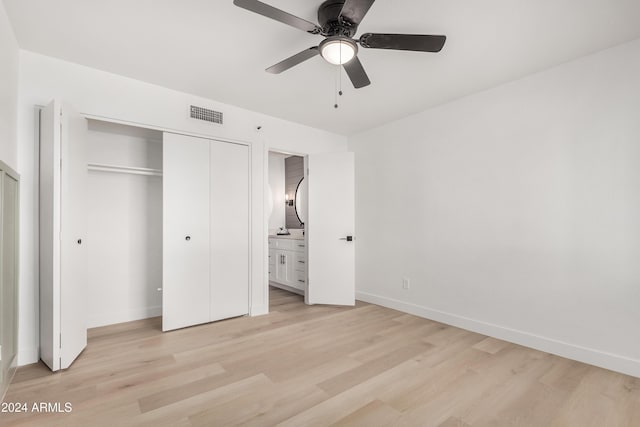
column 187, row 238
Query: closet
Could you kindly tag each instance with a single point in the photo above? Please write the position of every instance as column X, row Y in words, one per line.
column 124, row 223
column 136, row 223
column 9, row 188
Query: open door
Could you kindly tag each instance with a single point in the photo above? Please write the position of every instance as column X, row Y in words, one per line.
column 330, row 229
column 63, row 255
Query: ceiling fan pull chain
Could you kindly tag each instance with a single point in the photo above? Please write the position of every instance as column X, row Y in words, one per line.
column 335, row 93
column 340, row 73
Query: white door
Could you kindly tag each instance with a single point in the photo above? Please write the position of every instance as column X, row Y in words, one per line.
column 63, row 255
column 186, row 232
column 73, row 245
column 229, row 230
column 330, row 229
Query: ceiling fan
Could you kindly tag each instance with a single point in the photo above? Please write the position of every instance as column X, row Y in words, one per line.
column 339, row 20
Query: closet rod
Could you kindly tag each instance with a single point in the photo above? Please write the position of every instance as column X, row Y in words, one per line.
column 124, row 169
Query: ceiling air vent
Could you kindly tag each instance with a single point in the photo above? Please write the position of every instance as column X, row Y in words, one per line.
column 200, row 113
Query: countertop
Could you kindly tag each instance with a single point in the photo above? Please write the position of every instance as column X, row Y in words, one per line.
column 289, row 236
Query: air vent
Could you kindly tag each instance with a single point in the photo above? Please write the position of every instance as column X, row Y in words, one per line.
column 200, row 113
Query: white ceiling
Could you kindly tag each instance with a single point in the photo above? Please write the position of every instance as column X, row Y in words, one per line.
column 214, row 49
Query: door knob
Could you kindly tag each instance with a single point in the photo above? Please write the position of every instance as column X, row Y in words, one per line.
column 187, row 238
column 79, row 241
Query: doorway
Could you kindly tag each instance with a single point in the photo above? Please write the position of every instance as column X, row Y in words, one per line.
column 286, row 211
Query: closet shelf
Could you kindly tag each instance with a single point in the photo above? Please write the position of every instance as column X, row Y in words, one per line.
column 124, row 169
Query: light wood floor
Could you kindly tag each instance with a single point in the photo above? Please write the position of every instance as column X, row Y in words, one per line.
column 320, row 365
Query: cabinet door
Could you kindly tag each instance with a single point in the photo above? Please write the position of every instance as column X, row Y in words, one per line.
column 186, row 232
column 281, row 267
column 272, row 264
column 229, row 230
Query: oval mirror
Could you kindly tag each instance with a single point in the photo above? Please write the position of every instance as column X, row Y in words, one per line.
column 301, row 201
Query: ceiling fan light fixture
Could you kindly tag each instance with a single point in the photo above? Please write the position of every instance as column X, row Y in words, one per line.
column 338, row 50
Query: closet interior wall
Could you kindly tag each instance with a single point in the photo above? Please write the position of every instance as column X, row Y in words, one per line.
column 124, row 234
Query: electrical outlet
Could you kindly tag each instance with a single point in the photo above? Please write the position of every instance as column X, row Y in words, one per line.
column 405, row 283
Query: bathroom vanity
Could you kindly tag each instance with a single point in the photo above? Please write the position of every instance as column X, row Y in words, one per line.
column 288, row 262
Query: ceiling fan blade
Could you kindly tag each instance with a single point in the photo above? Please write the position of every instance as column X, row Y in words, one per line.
column 354, row 10
column 277, row 14
column 356, row 73
column 294, row 60
column 415, row 42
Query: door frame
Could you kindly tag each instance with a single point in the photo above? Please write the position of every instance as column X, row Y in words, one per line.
column 265, row 191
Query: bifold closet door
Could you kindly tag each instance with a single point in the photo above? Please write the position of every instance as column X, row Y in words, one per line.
column 229, row 230
column 185, row 257
column 63, row 254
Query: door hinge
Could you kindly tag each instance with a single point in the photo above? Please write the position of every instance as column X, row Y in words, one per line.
column 61, row 341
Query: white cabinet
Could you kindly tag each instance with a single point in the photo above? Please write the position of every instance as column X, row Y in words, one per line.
column 63, row 255
column 206, row 231
column 287, row 262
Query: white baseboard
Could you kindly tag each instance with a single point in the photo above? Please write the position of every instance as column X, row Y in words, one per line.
column 124, row 316
column 28, row 355
column 591, row 356
column 258, row 310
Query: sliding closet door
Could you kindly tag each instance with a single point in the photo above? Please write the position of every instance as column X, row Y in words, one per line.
column 229, row 230
column 185, row 199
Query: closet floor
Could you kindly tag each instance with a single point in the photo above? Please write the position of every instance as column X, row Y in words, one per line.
column 319, row 365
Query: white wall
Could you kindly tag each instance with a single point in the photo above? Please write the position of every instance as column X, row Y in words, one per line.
column 8, row 91
column 124, row 225
column 103, row 94
column 276, row 182
column 515, row 212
